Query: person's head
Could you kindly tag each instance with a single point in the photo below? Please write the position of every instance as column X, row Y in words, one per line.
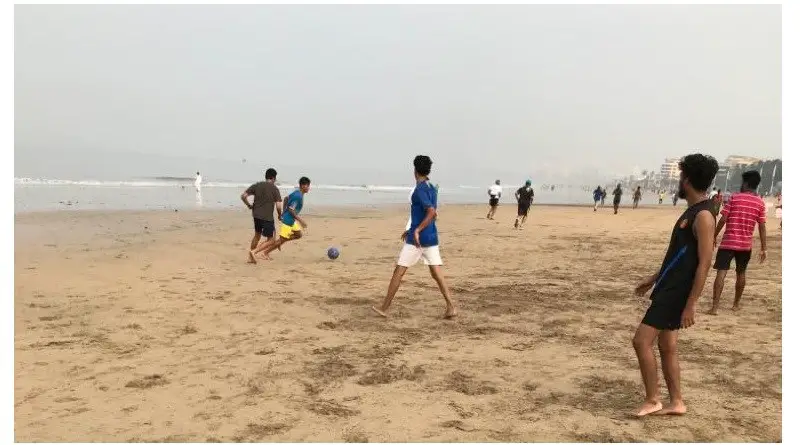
column 305, row 184
column 497, row 182
column 750, row 180
column 619, row 186
column 528, row 183
column 271, row 174
column 697, row 173
column 198, row 173
column 422, row 166
column 639, row 188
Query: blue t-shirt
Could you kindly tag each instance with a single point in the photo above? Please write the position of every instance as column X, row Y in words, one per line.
column 423, row 198
column 295, row 202
column 597, row 195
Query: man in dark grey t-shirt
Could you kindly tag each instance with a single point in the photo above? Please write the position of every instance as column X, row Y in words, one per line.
column 266, row 198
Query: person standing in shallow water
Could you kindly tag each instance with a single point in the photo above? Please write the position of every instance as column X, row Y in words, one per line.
column 677, row 286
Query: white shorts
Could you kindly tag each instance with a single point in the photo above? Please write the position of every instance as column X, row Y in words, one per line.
column 411, row 254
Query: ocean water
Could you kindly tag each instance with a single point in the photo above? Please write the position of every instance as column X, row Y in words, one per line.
column 33, row 195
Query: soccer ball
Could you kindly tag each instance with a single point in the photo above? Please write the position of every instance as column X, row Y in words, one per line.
column 333, row 253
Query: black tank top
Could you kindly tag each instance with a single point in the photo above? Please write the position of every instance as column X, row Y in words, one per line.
column 677, row 272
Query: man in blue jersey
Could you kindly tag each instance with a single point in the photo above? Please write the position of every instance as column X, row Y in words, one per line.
column 421, row 239
column 291, row 224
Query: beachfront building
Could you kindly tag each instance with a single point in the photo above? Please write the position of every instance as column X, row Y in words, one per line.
column 670, row 170
column 736, row 160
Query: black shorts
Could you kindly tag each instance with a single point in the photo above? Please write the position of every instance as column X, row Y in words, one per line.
column 725, row 256
column 664, row 316
column 522, row 209
column 494, row 201
column 265, row 228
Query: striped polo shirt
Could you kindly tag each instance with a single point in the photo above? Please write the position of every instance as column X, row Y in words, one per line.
column 742, row 212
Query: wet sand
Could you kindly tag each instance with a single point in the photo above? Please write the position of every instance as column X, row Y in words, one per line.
column 151, row 327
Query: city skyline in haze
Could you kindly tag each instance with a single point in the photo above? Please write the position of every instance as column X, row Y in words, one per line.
column 551, row 92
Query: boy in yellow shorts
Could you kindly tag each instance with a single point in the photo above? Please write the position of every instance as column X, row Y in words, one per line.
column 291, row 224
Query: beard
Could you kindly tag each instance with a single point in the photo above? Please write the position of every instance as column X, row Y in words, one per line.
column 681, row 191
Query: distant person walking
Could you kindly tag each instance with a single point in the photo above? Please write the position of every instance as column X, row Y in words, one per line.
column 661, row 195
column 674, row 199
column 495, row 191
column 198, row 181
column 597, row 196
column 524, row 200
column 637, row 196
column 617, row 197
column 741, row 214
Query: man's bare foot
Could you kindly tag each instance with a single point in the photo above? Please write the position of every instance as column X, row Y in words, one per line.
column 712, row 312
column 649, row 407
column 252, row 259
column 379, row 312
column 673, row 409
column 736, row 308
column 450, row 313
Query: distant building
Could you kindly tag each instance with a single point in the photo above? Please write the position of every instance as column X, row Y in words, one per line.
column 735, row 160
column 670, row 170
column 722, row 180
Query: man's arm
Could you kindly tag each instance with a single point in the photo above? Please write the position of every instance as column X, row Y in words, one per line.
column 762, row 232
column 722, row 220
column 244, row 196
column 430, row 215
column 704, row 231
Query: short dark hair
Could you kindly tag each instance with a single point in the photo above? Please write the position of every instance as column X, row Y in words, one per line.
column 271, row 174
column 751, row 179
column 305, row 181
column 700, row 170
column 422, row 165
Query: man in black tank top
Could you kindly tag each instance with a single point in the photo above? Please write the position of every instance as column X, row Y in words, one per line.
column 677, row 286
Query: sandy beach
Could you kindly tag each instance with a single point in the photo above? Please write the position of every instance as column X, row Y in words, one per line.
column 150, row 326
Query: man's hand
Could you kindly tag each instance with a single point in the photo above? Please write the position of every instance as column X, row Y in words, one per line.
column 645, row 285
column 763, row 256
column 404, row 236
column 687, row 318
column 416, row 238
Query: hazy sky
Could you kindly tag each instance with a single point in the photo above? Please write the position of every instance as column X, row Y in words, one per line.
column 486, row 91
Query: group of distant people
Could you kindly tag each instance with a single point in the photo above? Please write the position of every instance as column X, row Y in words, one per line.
column 524, row 196
column 599, row 197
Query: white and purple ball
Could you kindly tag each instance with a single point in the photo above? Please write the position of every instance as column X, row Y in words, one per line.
column 333, row 253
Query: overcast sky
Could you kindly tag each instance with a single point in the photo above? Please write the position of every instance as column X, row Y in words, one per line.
column 486, row 91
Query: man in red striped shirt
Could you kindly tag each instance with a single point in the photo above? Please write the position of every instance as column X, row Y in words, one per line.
column 740, row 214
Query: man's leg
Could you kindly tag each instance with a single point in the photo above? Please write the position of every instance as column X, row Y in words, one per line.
column 450, row 309
column 668, row 348
column 643, row 344
column 394, row 285
column 595, row 205
column 719, row 284
column 741, row 280
column 255, row 240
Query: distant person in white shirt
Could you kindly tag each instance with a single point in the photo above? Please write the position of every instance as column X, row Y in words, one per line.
column 494, row 198
column 198, row 181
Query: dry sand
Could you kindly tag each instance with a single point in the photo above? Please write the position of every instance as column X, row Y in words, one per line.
column 151, row 327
